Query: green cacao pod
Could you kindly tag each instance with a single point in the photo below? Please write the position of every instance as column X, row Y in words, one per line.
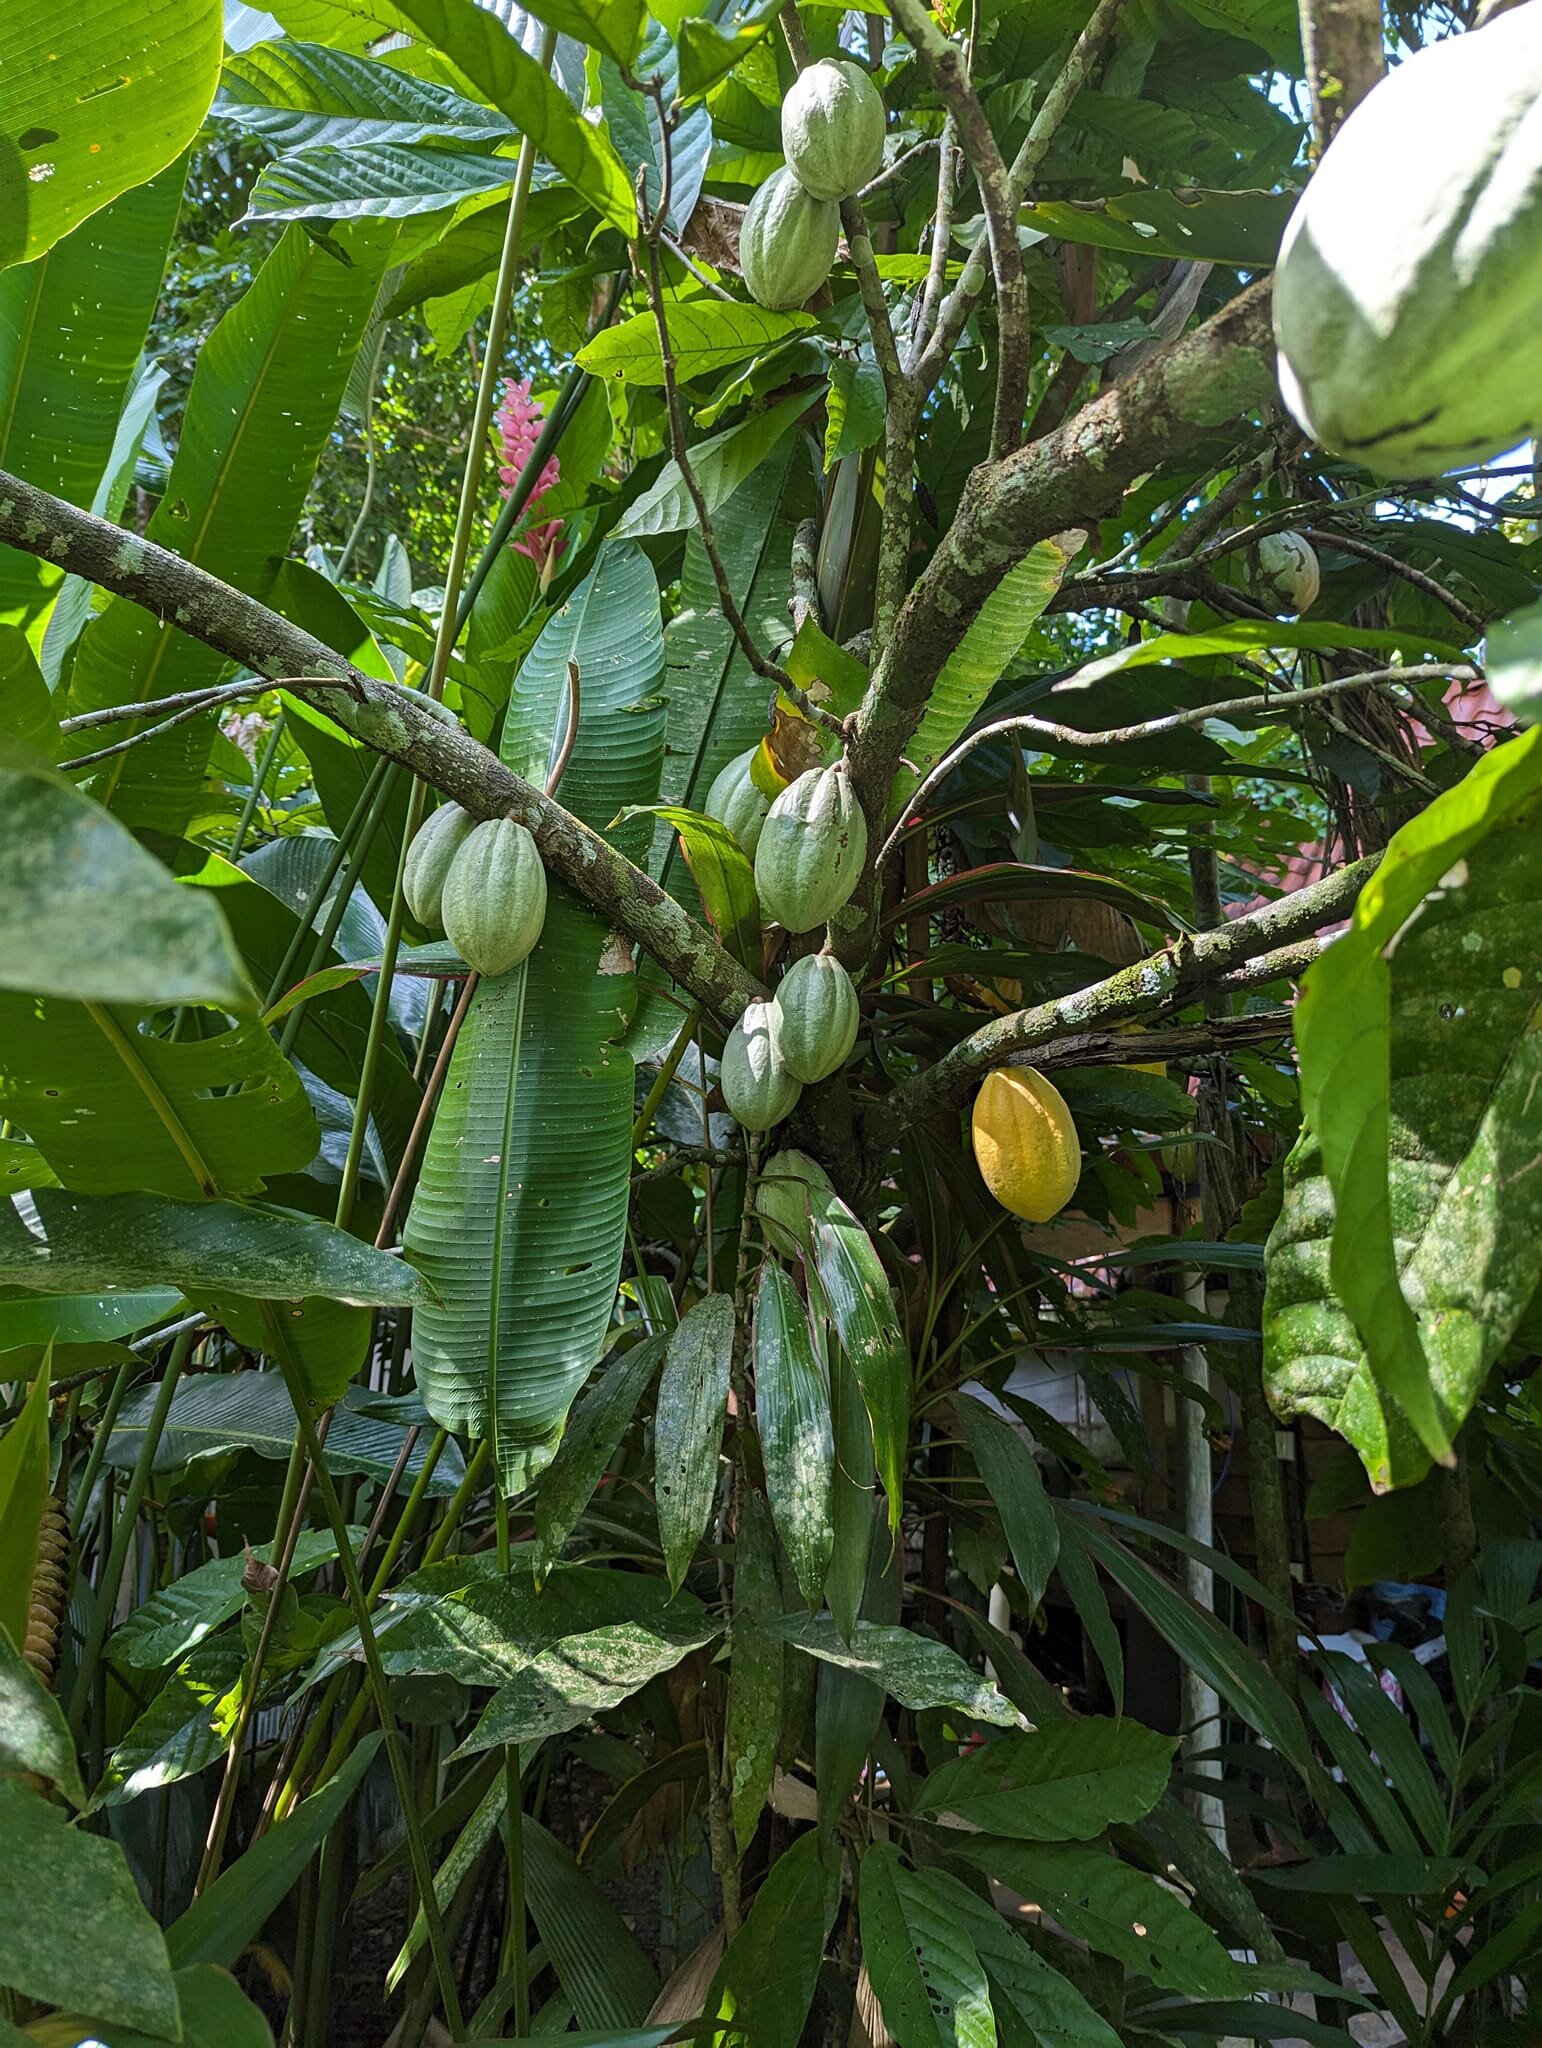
column 434, row 845
column 1288, row 577
column 735, row 801
column 494, row 897
column 1405, row 301
column 756, row 1085
column 832, row 129
column 790, row 1187
column 818, row 1003
column 787, row 243
column 811, row 849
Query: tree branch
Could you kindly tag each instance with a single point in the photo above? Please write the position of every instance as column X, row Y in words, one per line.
column 391, row 721
column 1345, row 57
column 1160, row 982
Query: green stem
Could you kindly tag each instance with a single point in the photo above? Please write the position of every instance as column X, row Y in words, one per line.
column 254, row 794
column 324, row 881
column 514, row 1834
column 324, row 939
column 123, row 1535
column 666, row 1074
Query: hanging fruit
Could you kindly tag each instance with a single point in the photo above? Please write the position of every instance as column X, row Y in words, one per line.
column 817, row 1000
column 494, row 897
column 756, row 1084
column 787, row 243
column 832, row 129
column 1025, row 1143
column 736, row 801
column 434, row 846
column 811, row 851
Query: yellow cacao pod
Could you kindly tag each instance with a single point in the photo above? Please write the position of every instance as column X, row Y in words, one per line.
column 1025, row 1143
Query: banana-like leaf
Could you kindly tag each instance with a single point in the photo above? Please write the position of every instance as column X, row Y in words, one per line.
column 1063, row 1783
column 296, row 94
column 856, row 1292
column 251, row 1411
column 95, row 99
column 519, row 1218
column 756, row 1657
column 688, row 1427
column 720, row 465
column 765, row 1982
column 64, row 1243
column 797, row 1440
column 185, row 1727
column 924, row 1970
column 120, row 1973
column 110, row 1106
column 1009, row 1469
column 27, row 1318
column 72, row 326
column 86, row 912
column 263, row 400
column 913, row 1669
column 595, row 1428
column 594, row 1953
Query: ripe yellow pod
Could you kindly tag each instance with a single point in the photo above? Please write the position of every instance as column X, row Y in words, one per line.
column 1025, row 1143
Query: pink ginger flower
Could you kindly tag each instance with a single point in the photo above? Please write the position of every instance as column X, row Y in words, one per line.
column 519, row 425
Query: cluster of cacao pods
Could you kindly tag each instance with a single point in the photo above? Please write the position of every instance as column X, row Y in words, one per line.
column 483, row 885
column 1405, row 299
column 832, row 137
column 804, row 1033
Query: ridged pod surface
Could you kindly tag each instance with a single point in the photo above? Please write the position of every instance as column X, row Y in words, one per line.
column 735, row 801
column 1289, row 577
column 786, row 1193
column 1406, row 295
column 811, row 849
column 756, row 1085
column 818, row 1003
column 494, row 897
column 832, row 128
column 434, row 846
column 1025, row 1143
column 787, row 243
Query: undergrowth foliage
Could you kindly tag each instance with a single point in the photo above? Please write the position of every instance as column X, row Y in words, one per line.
column 801, row 1462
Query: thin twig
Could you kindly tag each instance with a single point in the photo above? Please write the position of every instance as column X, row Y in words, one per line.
column 192, row 703
column 927, row 142
column 942, row 236
column 1351, row 544
column 569, row 734
column 1261, row 702
column 707, row 283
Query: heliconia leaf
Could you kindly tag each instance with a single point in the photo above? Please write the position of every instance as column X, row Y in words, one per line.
column 704, row 334
column 754, row 1669
column 913, row 1669
column 224, row 1919
column 724, row 878
column 62, row 1243
column 1117, row 1910
column 596, row 1956
column 96, row 100
column 121, row 1974
column 792, row 1412
column 1010, row 1470
column 87, row 913
column 1407, row 1249
column 856, row 1291
column 595, row 1428
column 765, row 1982
column 1066, row 1782
column 688, row 1427
column 479, row 46
column 296, row 94
column 924, row 1970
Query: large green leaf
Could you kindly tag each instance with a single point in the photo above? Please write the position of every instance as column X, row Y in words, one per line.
column 216, row 1412
column 612, row 26
column 263, row 400
column 704, row 334
column 63, row 1243
column 384, row 180
column 72, row 325
column 1410, row 1242
column 1010, row 1470
column 688, row 1427
column 96, row 96
column 636, row 128
column 27, row 1318
column 928, row 1979
column 481, row 48
column 72, row 1929
column 186, row 1726
column 519, row 1217
column 765, row 1982
column 913, row 1669
column 1117, row 1910
column 295, row 94
column 86, row 912
column 165, row 1627
column 214, row 2011
column 993, row 638
column 1062, row 1783
column 797, row 1439
column 595, row 1429
column 23, row 1494
column 756, row 1657
column 855, row 1291
column 34, row 1735
column 719, row 465
column 594, row 1953
column 111, row 1106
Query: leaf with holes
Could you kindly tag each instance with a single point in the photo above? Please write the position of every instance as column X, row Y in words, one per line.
column 923, row 1966
column 1067, row 1782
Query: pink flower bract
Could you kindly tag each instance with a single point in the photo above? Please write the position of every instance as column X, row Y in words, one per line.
column 519, row 425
